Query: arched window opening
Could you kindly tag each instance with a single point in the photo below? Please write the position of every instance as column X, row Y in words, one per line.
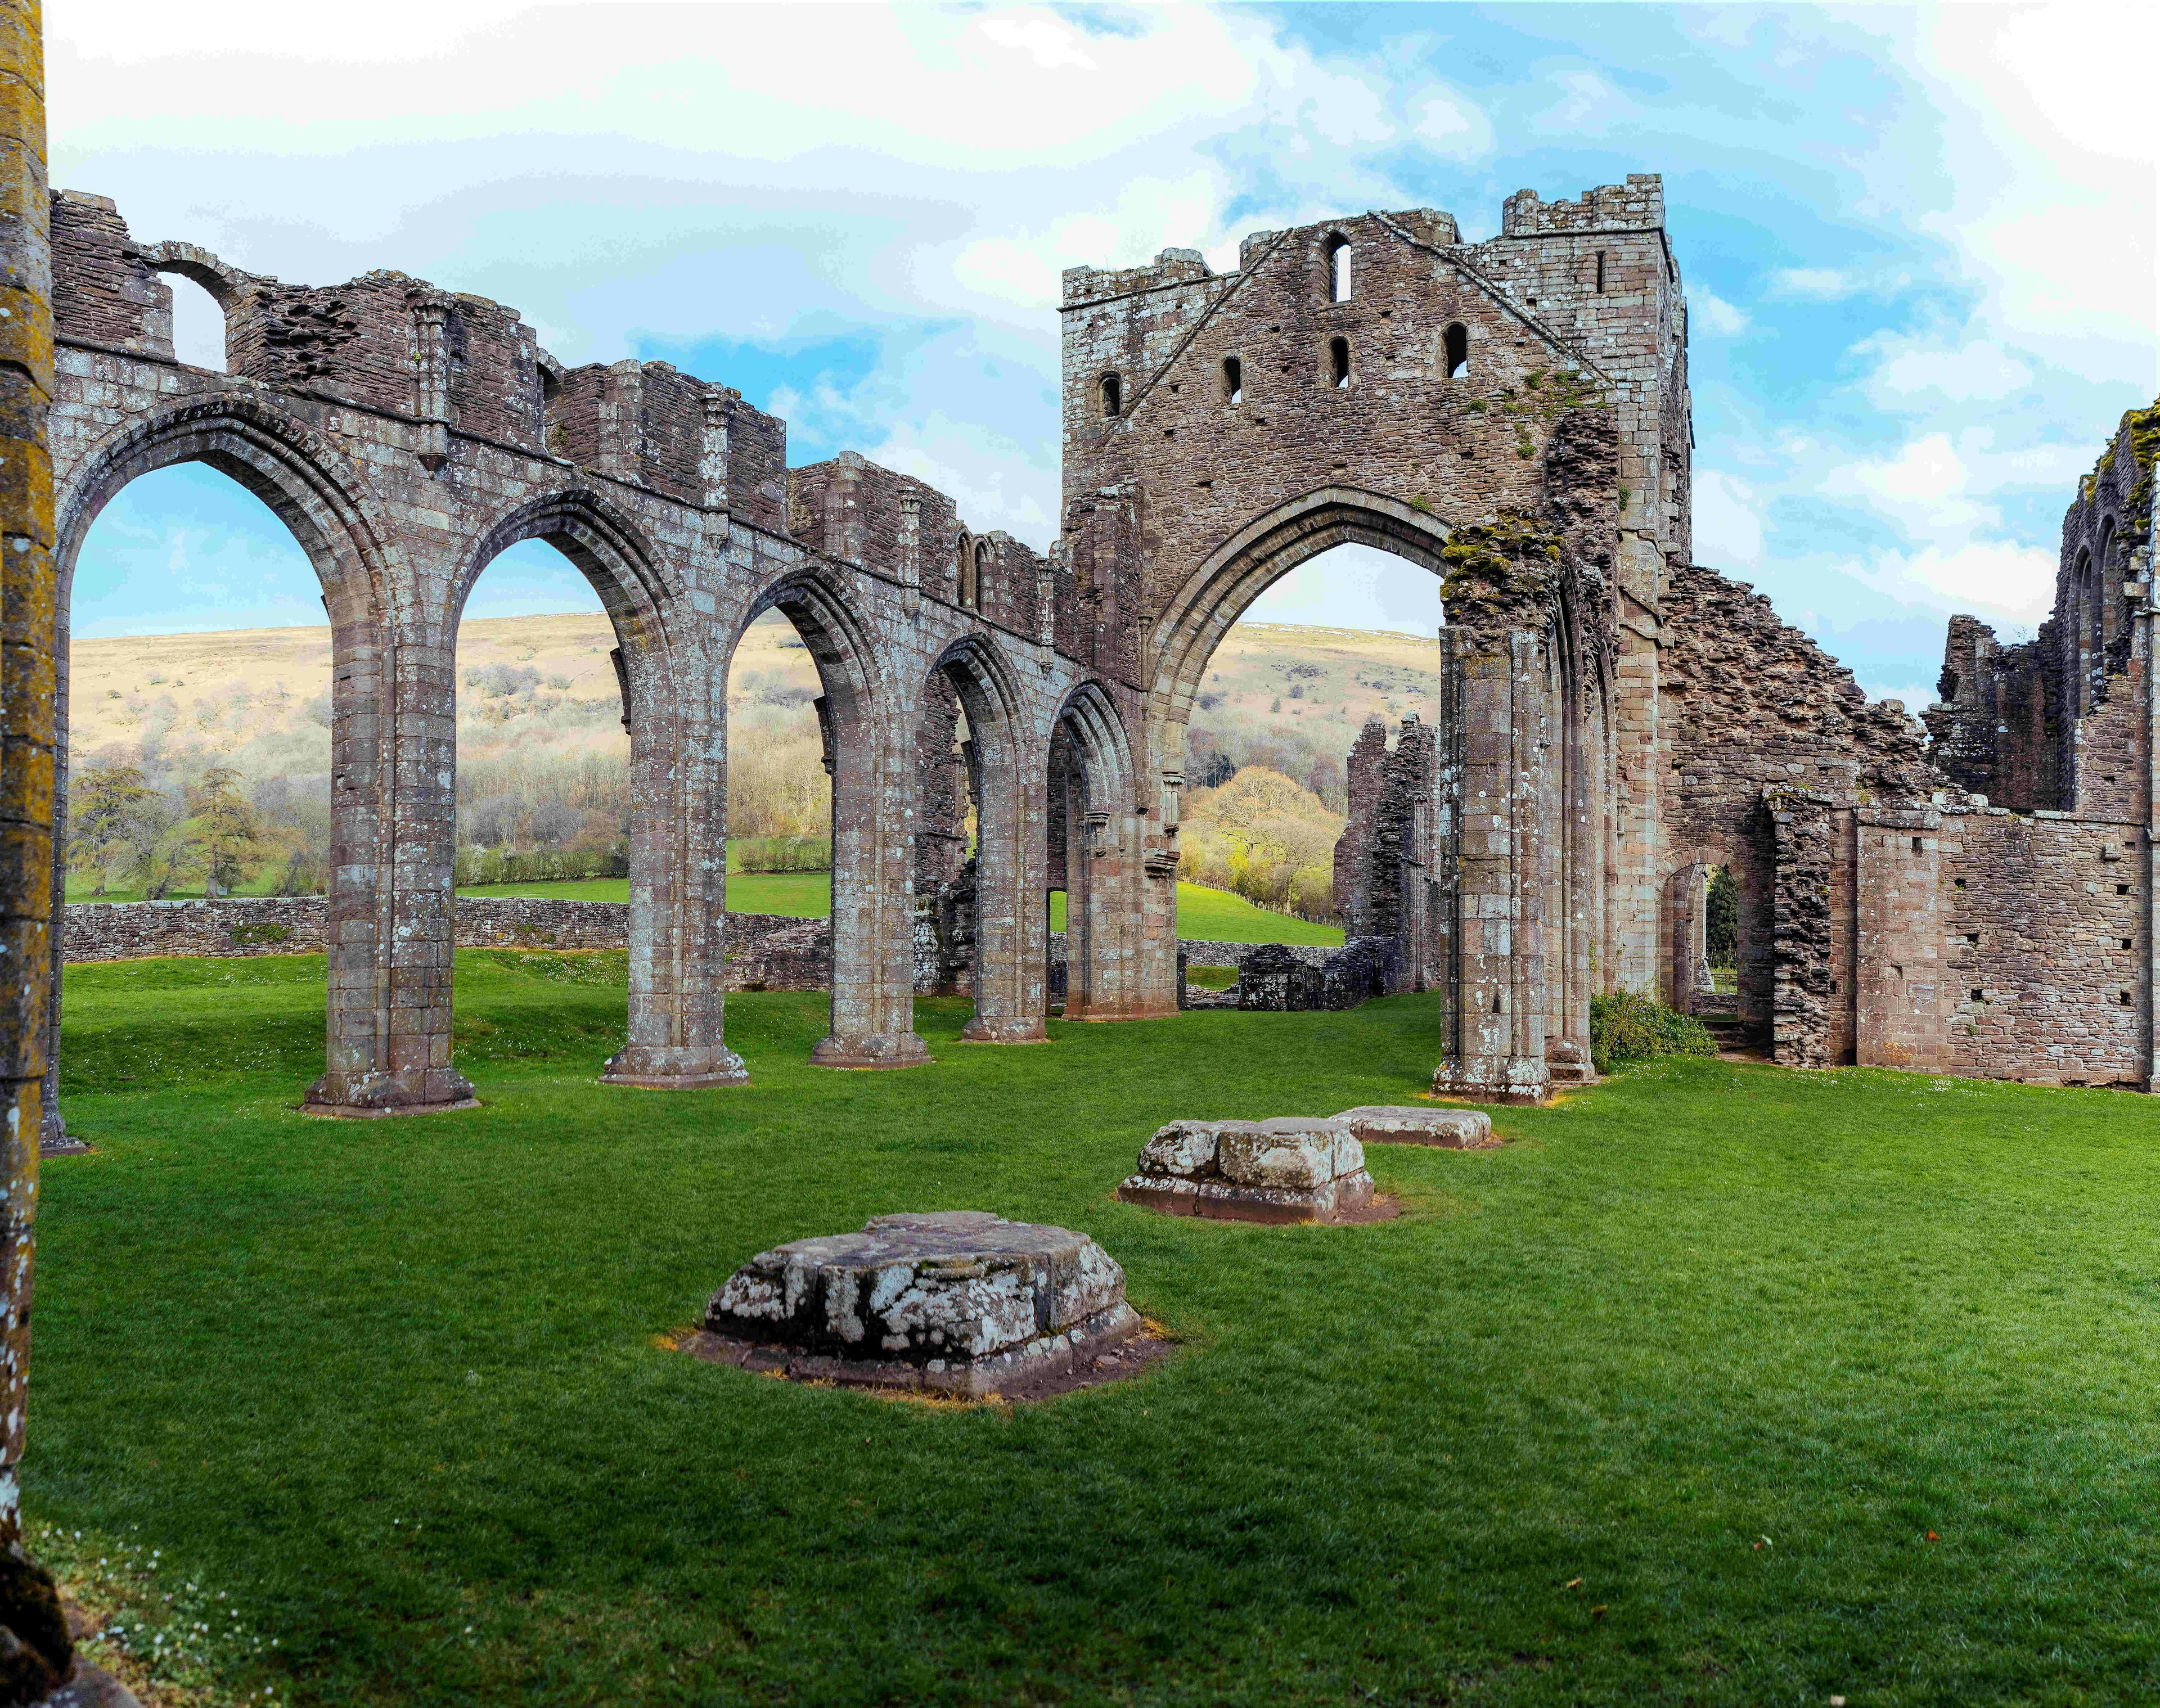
column 544, row 787
column 982, row 574
column 1112, row 396
column 1338, row 362
column 1454, row 350
column 1233, row 380
column 780, row 783
column 197, row 739
column 964, row 580
column 198, row 324
column 1338, row 269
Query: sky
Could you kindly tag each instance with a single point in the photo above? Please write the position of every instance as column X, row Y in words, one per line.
column 1918, row 244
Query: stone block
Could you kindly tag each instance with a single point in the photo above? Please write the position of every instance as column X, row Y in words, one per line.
column 1183, row 1150
column 1291, row 1169
column 958, row 1300
column 1402, row 1123
column 1296, row 1154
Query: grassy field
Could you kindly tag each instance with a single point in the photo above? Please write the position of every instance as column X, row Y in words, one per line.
column 1719, row 1385
column 1203, row 914
column 1211, row 915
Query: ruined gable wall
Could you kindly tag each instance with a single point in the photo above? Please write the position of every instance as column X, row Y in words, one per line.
column 1462, row 448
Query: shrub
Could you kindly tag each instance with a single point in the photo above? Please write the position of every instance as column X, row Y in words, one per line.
column 1628, row 1025
column 783, row 854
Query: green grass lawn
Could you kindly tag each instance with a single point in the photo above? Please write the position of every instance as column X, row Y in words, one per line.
column 1208, row 915
column 1659, row 1403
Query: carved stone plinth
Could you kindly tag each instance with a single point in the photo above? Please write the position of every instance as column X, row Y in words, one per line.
column 878, row 1050
column 1288, row 1169
column 1491, row 1079
column 958, row 1301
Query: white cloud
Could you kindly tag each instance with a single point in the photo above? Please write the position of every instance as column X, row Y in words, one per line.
column 1048, row 45
column 1822, row 283
column 1910, row 376
column 1726, row 528
column 1924, row 487
column 1997, row 578
column 1711, row 313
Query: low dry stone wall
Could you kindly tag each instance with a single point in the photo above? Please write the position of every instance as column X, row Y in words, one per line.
column 766, row 951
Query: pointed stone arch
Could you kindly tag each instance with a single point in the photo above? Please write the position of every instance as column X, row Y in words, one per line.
column 387, row 1047
column 869, row 755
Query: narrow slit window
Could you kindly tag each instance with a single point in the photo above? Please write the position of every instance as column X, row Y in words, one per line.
column 1601, row 273
column 1454, row 350
column 1113, row 395
column 1338, row 360
column 1338, row 270
column 1233, row 380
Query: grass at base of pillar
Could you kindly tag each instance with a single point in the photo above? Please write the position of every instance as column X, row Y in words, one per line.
column 1716, row 1384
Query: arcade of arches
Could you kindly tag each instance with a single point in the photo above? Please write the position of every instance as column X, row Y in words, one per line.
column 1001, row 725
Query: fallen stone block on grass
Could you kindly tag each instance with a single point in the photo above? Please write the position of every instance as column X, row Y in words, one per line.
column 1291, row 1169
column 955, row 1302
column 1409, row 1124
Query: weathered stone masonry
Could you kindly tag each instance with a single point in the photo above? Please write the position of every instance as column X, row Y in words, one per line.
column 1511, row 415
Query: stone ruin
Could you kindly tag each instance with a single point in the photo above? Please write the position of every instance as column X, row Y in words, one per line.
column 1615, row 720
column 957, row 1302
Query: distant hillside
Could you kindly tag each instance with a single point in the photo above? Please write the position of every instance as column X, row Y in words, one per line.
column 1293, row 699
column 258, row 699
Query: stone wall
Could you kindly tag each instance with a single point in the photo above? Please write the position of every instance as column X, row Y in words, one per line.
column 1962, row 939
column 765, row 951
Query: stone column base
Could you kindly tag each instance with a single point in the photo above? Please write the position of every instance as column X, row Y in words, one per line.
column 1568, row 1063
column 1494, row 1079
column 373, row 1097
column 876, row 1050
column 674, row 1070
column 1014, row 1029
column 1110, row 1011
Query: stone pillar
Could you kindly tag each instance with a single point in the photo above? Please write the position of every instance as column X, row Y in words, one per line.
column 2148, row 636
column 393, row 758
column 677, row 883
column 1492, row 698
column 1011, row 853
column 873, row 890
column 38, row 1652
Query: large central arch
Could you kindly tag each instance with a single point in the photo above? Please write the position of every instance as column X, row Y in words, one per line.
column 1207, row 605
